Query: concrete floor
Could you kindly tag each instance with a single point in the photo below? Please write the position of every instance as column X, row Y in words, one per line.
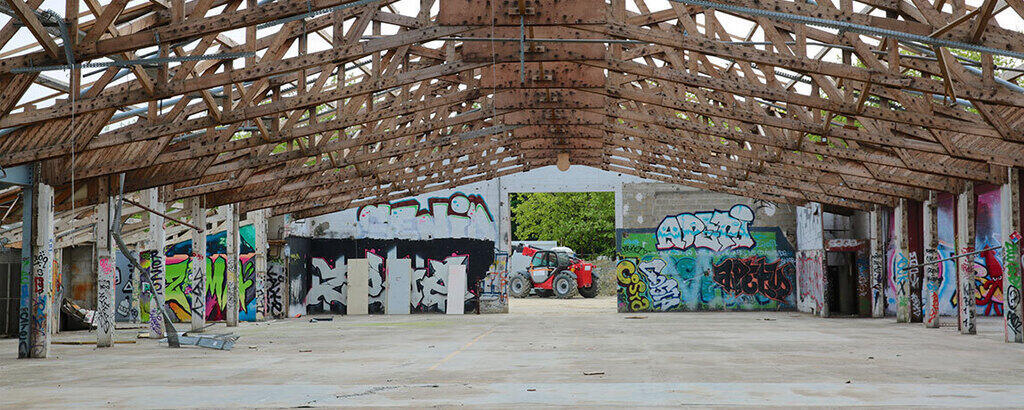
column 539, row 354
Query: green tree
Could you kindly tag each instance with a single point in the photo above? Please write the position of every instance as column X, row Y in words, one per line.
column 583, row 221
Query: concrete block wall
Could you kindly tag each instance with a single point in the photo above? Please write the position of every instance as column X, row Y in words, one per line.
column 645, row 205
column 718, row 252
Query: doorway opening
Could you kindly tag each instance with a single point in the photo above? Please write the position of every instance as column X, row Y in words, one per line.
column 563, row 251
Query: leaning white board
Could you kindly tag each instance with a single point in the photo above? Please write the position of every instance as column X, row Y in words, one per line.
column 398, row 286
column 358, row 287
column 456, row 290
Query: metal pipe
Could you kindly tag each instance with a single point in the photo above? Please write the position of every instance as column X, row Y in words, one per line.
column 953, row 257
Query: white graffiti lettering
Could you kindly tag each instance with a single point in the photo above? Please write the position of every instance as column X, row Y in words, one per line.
column 663, row 289
column 329, row 284
column 715, row 230
column 458, row 215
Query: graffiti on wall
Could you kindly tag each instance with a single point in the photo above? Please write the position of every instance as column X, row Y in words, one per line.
column 123, row 311
column 318, row 271
column 932, row 285
column 1012, row 299
column 754, row 276
column 275, row 289
column 456, row 216
column 810, row 271
column 986, row 266
column 178, row 290
column 715, row 230
column 654, row 278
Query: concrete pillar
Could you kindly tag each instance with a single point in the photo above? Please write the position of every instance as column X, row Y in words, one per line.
column 506, row 220
column 197, row 266
column 136, row 296
column 105, row 270
column 902, row 273
column 157, row 255
column 877, row 264
column 965, row 209
column 42, row 270
column 1011, row 229
column 26, row 288
column 259, row 225
column 231, row 265
column 932, row 280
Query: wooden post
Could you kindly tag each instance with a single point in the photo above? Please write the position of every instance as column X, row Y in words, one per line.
column 231, row 265
column 259, row 225
column 105, row 270
column 197, row 264
column 42, row 268
column 877, row 264
column 1011, row 229
column 965, row 265
column 932, row 280
column 902, row 273
column 157, row 241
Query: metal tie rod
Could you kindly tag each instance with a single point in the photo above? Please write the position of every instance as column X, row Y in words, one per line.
column 953, row 257
column 304, row 16
column 129, row 63
column 851, row 27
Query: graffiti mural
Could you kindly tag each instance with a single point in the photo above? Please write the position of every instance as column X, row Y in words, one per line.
column 456, row 216
column 178, row 288
column 124, row 291
column 754, row 276
column 633, row 288
column 318, row 271
column 810, row 271
column 275, row 289
column 752, row 271
column 1012, row 299
column 947, row 276
column 715, row 230
column 987, row 266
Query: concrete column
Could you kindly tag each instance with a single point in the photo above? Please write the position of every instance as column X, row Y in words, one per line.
column 42, row 270
column 231, row 266
column 259, row 225
column 877, row 264
column 105, row 270
column 197, row 266
column 157, row 255
column 965, row 209
column 902, row 273
column 506, row 220
column 932, row 280
column 136, row 297
column 1011, row 229
column 26, row 288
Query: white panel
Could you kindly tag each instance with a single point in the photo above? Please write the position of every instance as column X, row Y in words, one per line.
column 399, row 284
column 358, row 287
column 456, row 289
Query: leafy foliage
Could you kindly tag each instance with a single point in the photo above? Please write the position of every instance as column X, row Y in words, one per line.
column 583, row 221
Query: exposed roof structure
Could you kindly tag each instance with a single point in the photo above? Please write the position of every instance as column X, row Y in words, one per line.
column 313, row 106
